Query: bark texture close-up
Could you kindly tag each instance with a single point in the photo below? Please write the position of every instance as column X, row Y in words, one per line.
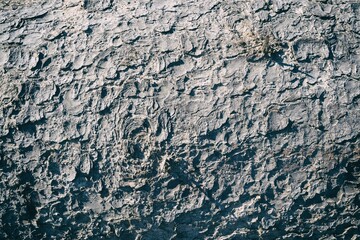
column 180, row 119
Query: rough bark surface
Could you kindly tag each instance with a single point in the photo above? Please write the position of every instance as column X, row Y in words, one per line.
column 156, row 119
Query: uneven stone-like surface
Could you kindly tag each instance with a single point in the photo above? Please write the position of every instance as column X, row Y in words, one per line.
column 156, row 119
